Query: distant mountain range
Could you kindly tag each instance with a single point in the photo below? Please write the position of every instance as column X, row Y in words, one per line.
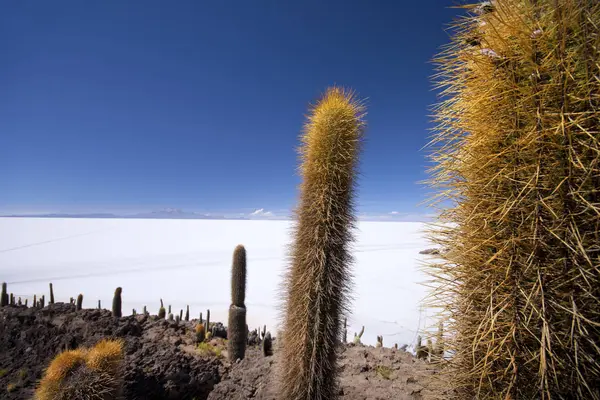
column 167, row 213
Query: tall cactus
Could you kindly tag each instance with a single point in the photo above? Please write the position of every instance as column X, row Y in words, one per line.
column 79, row 302
column 4, row 296
column 318, row 281
column 51, row 294
column 116, row 305
column 237, row 330
column 517, row 159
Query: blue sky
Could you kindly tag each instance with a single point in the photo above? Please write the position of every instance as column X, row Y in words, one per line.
column 126, row 106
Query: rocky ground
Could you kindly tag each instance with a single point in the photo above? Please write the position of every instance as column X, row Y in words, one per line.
column 163, row 362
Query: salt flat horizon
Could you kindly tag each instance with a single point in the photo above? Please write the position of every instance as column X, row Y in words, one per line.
column 188, row 261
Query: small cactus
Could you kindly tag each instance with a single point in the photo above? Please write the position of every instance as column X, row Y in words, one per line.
column 3, row 296
column 161, row 313
column 116, row 306
column 51, row 294
column 187, row 313
column 357, row 337
column 79, row 302
column 267, row 345
column 200, row 333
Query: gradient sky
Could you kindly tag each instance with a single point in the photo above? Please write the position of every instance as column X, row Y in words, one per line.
column 137, row 105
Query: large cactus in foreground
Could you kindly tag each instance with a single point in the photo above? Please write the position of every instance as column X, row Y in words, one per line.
column 237, row 330
column 517, row 157
column 318, row 280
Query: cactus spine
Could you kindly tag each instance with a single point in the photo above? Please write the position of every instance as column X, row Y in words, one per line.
column 318, row 280
column 79, row 302
column 237, row 330
column 116, row 305
column 4, row 296
column 517, row 153
column 187, row 313
column 51, row 294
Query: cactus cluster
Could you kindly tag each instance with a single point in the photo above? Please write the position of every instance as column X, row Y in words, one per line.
column 237, row 330
column 96, row 373
column 318, row 280
column 517, row 157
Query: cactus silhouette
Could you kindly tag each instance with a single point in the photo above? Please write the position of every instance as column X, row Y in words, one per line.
column 516, row 157
column 318, row 281
column 4, row 296
column 267, row 345
column 79, row 302
column 51, row 294
column 116, row 305
column 237, row 330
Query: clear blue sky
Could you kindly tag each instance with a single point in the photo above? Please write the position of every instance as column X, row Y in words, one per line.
column 136, row 105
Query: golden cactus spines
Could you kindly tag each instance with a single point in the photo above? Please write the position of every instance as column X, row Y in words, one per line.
column 517, row 155
column 318, row 280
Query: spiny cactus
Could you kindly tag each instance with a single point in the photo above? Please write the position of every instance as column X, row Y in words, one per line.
column 79, row 302
column 4, row 296
column 237, row 330
column 516, row 159
column 96, row 373
column 359, row 336
column 200, row 333
column 267, row 345
column 51, row 294
column 238, row 276
column 187, row 313
column 116, row 305
column 318, row 280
